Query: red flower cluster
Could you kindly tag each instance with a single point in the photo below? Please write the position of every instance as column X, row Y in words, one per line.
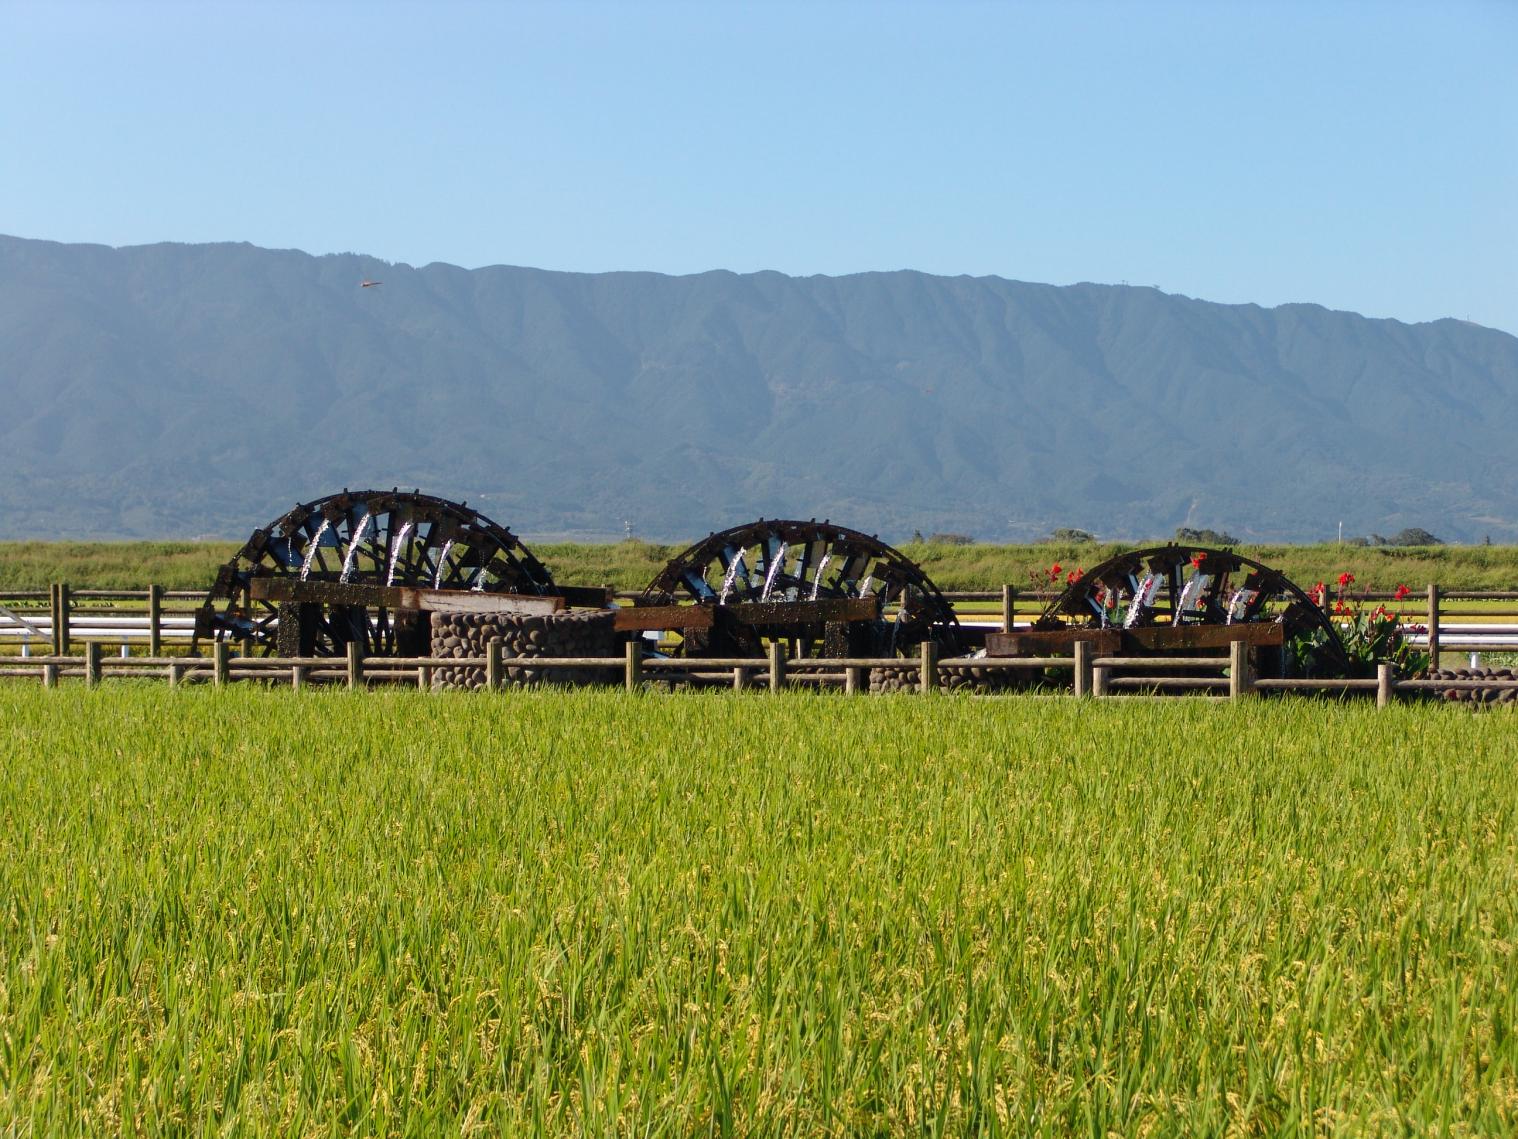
column 1074, row 575
column 1401, row 594
column 1319, row 593
column 1346, row 579
column 1197, row 559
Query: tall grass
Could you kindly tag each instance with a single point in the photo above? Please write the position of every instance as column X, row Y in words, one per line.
column 587, row 913
column 633, row 564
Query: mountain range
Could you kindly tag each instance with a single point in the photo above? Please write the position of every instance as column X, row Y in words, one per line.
column 197, row 390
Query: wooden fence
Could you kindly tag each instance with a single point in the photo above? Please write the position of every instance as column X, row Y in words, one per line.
column 1094, row 676
column 153, row 618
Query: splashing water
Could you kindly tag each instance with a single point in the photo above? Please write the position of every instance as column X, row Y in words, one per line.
column 1238, row 603
column 478, row 586
column 395, row 549
column 817, row 581
column 901, row 615
column 358, row 537
column 305, row 565
column 1191, row 594
column 727, row 579
column 442, row 564
column 769, row 578
column 868, row 587
column 1143, row 598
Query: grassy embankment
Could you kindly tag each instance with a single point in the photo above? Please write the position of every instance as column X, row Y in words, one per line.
column 254, row 913
column 631, row 565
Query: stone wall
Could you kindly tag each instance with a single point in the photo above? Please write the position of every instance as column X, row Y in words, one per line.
column 572, row 633
column 1477, row 695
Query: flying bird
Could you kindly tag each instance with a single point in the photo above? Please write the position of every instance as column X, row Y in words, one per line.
column 369, row 284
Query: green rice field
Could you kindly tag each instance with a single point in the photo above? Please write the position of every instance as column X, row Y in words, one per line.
column 253, row 912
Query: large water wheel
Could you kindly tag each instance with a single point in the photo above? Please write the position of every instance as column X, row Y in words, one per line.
column 305, row 585
column 824, row 590
column 1183, row 598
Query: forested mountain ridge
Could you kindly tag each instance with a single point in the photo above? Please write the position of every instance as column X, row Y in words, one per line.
column 179, row 390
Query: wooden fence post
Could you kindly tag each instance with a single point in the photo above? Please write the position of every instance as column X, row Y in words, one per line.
column 173, row 675
column 494, row 674
column 50, row 676
column 1083, row 668
column 1099, row 678
column 777, row 666
column 634, row 670
column 1433, row 625
column 1008, row 608
column 91, row 663
column 155, row 620
column 853, row 677
column 221, row 674
column 1383, row 684
column 927, row 674
column 61, row 640
column 740, row 678
column 1240, row 672
column 355, row 665
column 297, row 677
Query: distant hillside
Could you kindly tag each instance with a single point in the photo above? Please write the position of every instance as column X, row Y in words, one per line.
column 183, row 390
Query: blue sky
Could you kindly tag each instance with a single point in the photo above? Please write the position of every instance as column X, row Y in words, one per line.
column 1358, row 155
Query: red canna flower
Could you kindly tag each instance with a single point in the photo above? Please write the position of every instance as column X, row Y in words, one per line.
column 1197, row 559
column 1340, row 607
column 1346, row 579
column 1318, row 593
column 1401, row 594
column 1074, row 575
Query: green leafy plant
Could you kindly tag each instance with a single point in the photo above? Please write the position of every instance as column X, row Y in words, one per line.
column 1371, row 636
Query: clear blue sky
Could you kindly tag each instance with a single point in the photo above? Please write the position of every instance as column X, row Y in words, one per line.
column 1358, row 155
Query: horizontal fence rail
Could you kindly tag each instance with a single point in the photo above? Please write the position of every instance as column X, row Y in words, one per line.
column 1095, row 677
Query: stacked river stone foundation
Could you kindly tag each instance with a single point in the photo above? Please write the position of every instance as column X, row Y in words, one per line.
column 572, row 633
column 908, row 678
column 1477, row 695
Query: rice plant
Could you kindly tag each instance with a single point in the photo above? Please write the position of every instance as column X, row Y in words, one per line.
column 253, row 912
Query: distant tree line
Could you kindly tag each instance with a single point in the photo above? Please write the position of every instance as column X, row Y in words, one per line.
column 1412, row 536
